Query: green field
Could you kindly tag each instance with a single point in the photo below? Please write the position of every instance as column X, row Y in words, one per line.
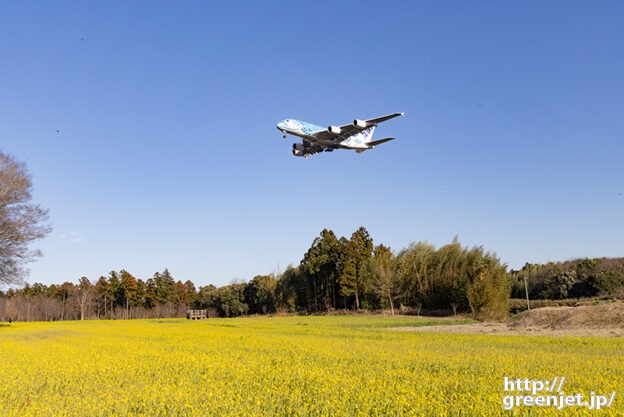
column 287, row 366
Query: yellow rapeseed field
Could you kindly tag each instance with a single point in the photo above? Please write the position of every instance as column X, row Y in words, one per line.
column 286, row 366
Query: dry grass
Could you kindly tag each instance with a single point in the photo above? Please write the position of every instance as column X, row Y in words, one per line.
column 603, row 320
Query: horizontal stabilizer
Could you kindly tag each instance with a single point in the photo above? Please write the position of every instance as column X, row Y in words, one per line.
column 379, row 142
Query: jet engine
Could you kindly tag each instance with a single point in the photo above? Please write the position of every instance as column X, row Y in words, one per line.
column 360, row 124
column 334, row 130
column 298, row 149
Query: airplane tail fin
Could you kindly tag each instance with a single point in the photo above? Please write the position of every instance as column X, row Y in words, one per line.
column 379, row 142
column 367, row 135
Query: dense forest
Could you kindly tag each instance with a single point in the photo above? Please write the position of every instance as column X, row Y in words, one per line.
column 334, row 274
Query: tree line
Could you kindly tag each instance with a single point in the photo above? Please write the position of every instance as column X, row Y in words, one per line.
column 570, row 279
column 334, row 274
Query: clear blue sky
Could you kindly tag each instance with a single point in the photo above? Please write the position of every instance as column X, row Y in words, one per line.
column 167, row 154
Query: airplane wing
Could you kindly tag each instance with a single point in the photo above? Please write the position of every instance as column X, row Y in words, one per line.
column 384, row 118
column 311, row 148
column 351, row 129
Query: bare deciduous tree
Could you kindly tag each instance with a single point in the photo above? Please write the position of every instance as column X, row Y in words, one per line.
column 21, row 222
column 383, row 276
column 84, row 295
column 418, row 308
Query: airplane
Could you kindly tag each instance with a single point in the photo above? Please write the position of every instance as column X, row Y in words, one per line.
column 356, row 136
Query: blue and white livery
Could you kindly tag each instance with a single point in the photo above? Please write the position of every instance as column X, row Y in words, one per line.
column 357, row 136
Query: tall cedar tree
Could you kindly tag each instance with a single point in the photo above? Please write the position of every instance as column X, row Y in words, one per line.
column 356, row 251
column 320, row 266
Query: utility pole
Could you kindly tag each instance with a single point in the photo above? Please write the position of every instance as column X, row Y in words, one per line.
column 526, row 290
